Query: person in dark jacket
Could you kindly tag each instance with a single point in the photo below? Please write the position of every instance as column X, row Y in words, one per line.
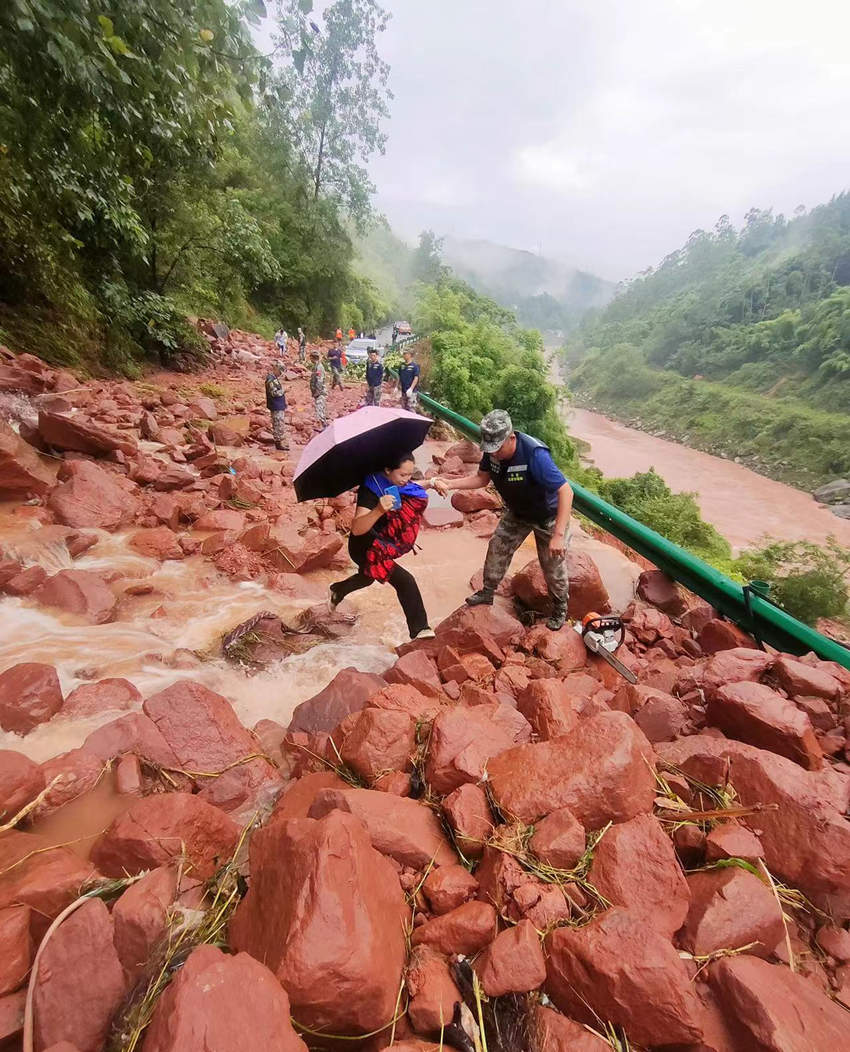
column 537, row 499
column 335, row 362
column 408, row 378
column 374, row 378
column 386, row 523
column 276, row 404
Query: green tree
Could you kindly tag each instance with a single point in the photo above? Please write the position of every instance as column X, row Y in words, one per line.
column 335, row 97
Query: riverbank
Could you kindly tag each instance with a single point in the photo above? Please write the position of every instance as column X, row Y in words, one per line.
column 742, row 504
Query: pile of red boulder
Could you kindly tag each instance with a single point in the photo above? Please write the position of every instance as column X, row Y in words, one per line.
column 498, row 821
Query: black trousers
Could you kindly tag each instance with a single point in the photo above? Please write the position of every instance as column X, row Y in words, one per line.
column 406, row 589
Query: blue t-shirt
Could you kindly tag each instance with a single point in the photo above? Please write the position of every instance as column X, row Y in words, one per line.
column 542, row 469
column 407, row 374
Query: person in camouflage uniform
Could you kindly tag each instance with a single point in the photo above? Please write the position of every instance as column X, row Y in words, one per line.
column 276, row 405
column 538, row 499
column 317, row 387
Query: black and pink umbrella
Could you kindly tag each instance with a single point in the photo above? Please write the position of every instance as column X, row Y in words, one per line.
column 354, row 446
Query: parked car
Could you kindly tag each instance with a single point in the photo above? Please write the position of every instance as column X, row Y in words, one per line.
column 358, row 350
column 403, row 328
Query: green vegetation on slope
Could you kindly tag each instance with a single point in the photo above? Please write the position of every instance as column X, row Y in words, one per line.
column 154, row 165
column 761, row 318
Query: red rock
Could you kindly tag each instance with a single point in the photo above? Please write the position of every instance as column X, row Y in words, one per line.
column 655, row 587
column 730, row 908
column 399, row 697
column 774, row 1009
column 731, row 840
column 12, row 1019
column 133, row 733
column 587, row 592
column 219, row 1002
column 128, row 776
column 549, row 709
column 662, row 717
column 618, row 969
column 400, row 828
column 17, row 948
column 79, row 592
column 347, row 692
column 433, row 993
column 92, row 497
column 206, row 735
column 465, row 930
column 797, row 678
column 559, row 840
column 34, row 874
column 90, row 699
column 464, row 742
column 634, row 865
column 416, row 670
column 80, row 542
column 297, row 799
column 834, row 941
column 381, row 740
column 21, row 780
column 601, row 771
column 468, row 813
column 818, row 711
column 564, row 649
column 439, row 518
column 469, row 501
column 728, row 666
column 301, row 554
column 159, row 828
column 350, row 927
column 80, row 982
column 29, row 695
column 513, row 963
column 759, row 716
column 223, row 519
column 160, row 542
column 720, row 635
column 139, row 917
column 806, row 839
column 174, row 477
column 492, row 621
column 448, row 887
column 552, row 1032
column 79, row 434
column 149, row 427
column 22, row 473
column 69, row 775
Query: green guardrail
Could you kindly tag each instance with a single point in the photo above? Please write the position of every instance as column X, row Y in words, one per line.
column 746, row 605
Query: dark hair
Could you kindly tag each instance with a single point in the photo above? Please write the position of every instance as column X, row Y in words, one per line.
column 399, row 459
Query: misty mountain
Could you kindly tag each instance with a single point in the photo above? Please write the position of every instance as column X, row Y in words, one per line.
column 545, row 293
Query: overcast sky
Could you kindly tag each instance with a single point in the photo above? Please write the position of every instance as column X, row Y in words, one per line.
column 605, row 131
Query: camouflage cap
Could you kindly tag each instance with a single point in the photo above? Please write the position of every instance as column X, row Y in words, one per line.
column 496, row 428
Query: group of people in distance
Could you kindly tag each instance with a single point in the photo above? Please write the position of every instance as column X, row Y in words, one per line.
column 409, row 376
column 390, row 504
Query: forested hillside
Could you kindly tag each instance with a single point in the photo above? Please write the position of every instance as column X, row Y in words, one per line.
column 154, row 164
column 740, row 340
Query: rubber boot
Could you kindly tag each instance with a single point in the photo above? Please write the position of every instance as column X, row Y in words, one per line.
column 484, row 597
column 558, row 618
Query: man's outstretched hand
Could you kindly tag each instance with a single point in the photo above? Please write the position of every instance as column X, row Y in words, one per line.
column 440, row 486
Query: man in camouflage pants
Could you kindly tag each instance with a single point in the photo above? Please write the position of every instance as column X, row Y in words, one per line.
column 317, row 387
column 276, row 405
column 537, row 499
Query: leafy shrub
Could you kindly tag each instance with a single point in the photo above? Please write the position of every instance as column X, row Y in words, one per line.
column 647, row 498
column 808, row 580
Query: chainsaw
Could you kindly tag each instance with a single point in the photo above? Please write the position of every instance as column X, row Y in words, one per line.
column 602, row 636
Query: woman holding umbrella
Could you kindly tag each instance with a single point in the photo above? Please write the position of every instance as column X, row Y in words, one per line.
column 386, row 523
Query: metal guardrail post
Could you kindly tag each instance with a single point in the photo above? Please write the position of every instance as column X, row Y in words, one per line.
column 751, row 610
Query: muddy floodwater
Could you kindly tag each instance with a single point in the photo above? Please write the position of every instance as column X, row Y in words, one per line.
column 744, row 506
column 174, row 632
